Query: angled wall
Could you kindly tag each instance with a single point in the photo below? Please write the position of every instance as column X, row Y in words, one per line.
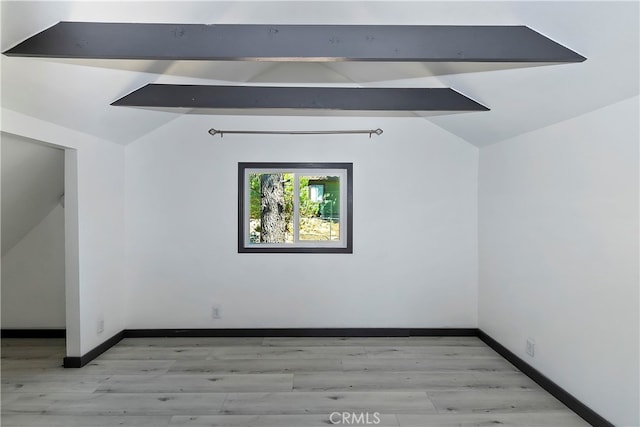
column 558, row 235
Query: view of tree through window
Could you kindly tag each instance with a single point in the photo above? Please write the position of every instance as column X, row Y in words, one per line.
column 271, row 213
column 306, row 207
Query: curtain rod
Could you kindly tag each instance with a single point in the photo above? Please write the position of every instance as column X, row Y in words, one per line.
column 215, row 132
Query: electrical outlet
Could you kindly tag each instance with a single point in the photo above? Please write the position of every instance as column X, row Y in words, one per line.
column 215, row 312
column 531, row 347
column 100, row 327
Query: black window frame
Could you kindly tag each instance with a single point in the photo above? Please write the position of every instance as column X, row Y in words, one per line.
column 286, row 248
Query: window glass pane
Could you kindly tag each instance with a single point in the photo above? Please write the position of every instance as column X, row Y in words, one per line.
column 319, row 208
column 316, row 192
column 270, row 208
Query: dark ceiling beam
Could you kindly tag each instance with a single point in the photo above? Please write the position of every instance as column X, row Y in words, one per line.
column 313, row 98
column 395, row 43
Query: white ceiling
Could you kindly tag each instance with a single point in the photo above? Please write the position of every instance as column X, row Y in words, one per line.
column 76, row 93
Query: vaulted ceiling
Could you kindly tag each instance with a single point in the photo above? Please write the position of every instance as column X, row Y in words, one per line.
column 77, row 93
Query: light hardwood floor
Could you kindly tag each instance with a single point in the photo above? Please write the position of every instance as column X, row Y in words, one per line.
column 274, row 382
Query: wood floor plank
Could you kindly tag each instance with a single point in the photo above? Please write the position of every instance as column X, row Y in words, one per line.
column 498, row 401
column 432, row 364
column 321, row 352
column 197, row 383
column 530, row 419
column 100, row 366
column 20, row 363
column 311, row 352
column 52, row 383
column 431, row 351
column 156, row 353
column 373, row 341
column 7, row 398
column 84, row 421
column 326, row 403
column 190, row 342
column 408, row 380
column 312, row 420
column 124, row 367
column 107, row 404
column 255, row 366
column 33, row 403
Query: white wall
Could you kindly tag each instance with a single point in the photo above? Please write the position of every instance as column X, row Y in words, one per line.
column 33, row 262
column 94, row 206
column 558, row 234
column 32, row 183
column 415, row 229
column 33, row 278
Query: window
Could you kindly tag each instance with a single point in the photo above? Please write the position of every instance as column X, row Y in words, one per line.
column 295, row 207
column 316, row 192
